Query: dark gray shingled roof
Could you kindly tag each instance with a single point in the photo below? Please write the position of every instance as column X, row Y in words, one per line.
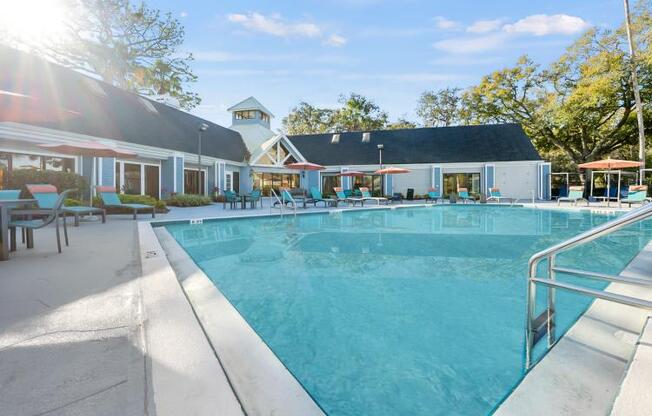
column 118, row 114
column 485, row 143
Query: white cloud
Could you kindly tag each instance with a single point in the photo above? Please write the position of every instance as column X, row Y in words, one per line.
column 484, row 26
column 444, row 23
column 472, row 45
column 183, row 14
column 542, row 24
column 275, row 25
column 336, row 40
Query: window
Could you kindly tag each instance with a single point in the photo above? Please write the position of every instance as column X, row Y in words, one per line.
column 151, row 181
column 4, row 171
column 148, row 105
column 266, row 181
column 454, row 181
column 228, row 181
column 132, row 179
column 58, row 164
column 264, row 117
column 373, row 182
column 335, row 139
column 236, row 182
column 366, row 137
column 10, row 162
column 328, row 182
column 19, row 162
column 245, row 115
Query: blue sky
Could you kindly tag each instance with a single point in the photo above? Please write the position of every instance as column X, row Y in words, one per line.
column 284, row 52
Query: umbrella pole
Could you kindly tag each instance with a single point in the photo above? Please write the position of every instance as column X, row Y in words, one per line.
column 618, row 190
column 92, row 182
column 608, row 187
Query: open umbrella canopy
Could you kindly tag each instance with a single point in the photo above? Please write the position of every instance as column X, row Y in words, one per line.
column 610, row 164
column 21, row 108
column 392, row 171
column 304, row 166
column 352, row 173
column 91, row 149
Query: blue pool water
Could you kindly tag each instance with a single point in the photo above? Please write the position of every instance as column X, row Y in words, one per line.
column 415, row 311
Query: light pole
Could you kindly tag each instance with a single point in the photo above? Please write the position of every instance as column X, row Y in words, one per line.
column 380, row 163
column 202, row 127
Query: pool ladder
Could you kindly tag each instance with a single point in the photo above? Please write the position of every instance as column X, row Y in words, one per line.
column 281, row 203
column 542, row 324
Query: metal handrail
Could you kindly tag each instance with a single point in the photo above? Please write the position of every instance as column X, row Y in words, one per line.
column 534, row 324
column 280, row 203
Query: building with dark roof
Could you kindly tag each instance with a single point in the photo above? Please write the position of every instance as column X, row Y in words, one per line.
column 41, row 102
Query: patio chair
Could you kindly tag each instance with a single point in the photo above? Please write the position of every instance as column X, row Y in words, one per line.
column 46, row 195
column 433, row 195
column 397, row 197
column 286, row 198
column 366, row 195
column 110, row 200
column 316, row 195
column 232, row 198
column 343, row 197
column 47, row 217
column 9, row 194
column 494, row 193
column 463, row 194
column 254, row 197
column 637, row 194
column 575, row 194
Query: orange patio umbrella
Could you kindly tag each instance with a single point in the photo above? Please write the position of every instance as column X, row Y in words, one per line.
column 610, row 164
column 305, row 166
column 352, row 173
column 392, row 171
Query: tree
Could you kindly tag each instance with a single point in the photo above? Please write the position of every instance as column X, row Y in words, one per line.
column 441, row 108
column 358, row 113
column 130, row 46
column 401, row 123
column 307, row 119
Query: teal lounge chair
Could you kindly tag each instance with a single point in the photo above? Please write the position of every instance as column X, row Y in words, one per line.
column 23, row 218
column 254, row 197
column 433, row 195
column 575, row 194
column 342, row 197
column 366, row 195
column 316, row 195
column 494, row 194
column 9, row 194
column 232, row 198
column 463, row 194
column 286, row 198
column 110, row 199
column 637, row 194
column 46, row 195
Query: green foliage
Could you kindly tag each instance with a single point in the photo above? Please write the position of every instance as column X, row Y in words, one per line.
column 401, row 123
column 188, row 200
column 126, row 44
column 307, row 119
column 62, row 180
column 142, row 199
column 442, row 107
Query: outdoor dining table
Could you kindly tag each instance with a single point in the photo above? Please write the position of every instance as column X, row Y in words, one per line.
column 5, row 211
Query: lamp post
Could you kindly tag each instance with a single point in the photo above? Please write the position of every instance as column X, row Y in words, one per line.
column 380, row 163
column 202, row 127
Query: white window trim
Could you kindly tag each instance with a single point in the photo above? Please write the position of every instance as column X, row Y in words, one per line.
column 228, row 173
column 121, row 164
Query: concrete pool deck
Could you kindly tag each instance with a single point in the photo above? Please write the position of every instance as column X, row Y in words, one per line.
column 74, row 327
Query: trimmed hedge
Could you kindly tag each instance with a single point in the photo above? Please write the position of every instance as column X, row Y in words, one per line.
column 62, row 180
column 188, row 200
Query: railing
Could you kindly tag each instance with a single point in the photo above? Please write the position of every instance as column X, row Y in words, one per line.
column 281, row 202
column 543, row 324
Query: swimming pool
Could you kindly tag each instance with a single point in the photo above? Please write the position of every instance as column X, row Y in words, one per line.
column 406, row 311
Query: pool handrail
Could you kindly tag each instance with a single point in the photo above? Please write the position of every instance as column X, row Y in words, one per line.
column 544, row 324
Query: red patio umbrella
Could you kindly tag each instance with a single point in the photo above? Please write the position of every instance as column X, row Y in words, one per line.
column 352, row 173
column 21, row 108
column 305, row 166
column 392, row 171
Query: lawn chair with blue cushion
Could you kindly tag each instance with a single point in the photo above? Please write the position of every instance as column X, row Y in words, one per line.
column 342, row 196
column 494, row 194
column 286, row 198
column 23, row 218
column 254, row 197
column 232, row 198
column 463, row 194
column 366, row 195
column 637, row 194
column 110, row 199
column 9, row 194
column 46, row 195
column 575, row 194
column 316, row 195
column 433, row 195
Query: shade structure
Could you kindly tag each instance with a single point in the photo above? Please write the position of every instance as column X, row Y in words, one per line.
column 352, row 173
column 610, row 164
column 89, row 149
column 21, row 108
column 305, row 166
column 392, row 171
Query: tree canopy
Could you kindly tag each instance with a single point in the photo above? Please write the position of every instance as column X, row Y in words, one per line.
column 442, row 107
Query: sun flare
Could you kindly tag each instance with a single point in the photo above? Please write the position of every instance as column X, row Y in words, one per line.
column 33, row 20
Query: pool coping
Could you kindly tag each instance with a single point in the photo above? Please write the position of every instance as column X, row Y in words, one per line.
column 260, row 401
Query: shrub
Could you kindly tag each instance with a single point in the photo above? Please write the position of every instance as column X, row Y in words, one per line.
column 143, row 199
column 62, row 180
column 188, row 200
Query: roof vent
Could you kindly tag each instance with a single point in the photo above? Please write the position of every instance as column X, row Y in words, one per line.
column 366, row 137
column 148, row 105
column 335, row 139
column 95, row 87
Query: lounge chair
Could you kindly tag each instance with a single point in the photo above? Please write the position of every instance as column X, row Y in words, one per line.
column 286, row 198
column 254, row 197
column 46, row 196
column 637, row 194
column 342, row 197
column 433, row 195
column 575, row 194
column 9, row 194
column 110, row 200
column 318, row 197
column 366, row 195
column 463, row 194
column 47, row 217
column 494, row 194
column 232, row 198
column 397, row 197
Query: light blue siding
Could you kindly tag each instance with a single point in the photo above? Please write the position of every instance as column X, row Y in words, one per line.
column 490, row 177
column 313, row 179
column 388, row 184
column 179, row 162
column 108, row 171
column 246, row 184
column 167, row 177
